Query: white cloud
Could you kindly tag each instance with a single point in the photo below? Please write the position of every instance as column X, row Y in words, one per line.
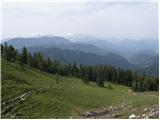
column 122, row 20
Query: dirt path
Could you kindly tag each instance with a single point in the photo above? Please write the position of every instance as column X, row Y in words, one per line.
column 9, row 105
column 122, row 111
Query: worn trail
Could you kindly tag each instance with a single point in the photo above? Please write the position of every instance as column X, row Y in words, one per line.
column 120, row 112
column 10, row 106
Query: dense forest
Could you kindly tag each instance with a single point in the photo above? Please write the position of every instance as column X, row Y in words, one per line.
column 88, row 73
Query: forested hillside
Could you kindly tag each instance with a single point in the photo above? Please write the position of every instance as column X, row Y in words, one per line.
column 29, row 93
column 89, row 50
column 66, row 56
column 98, row 74
column 36, row 87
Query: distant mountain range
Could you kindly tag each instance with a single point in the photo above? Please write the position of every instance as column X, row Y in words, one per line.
column 87, row 48
column 37, row 41
column 153, row 68
column 79, row 57
column 147, row 62
column 92, row 51
column 124, row 47
column 142, row 60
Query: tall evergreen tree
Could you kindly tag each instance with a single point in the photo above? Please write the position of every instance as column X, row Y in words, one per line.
column 24, row 55
column 100, row 82
column 30, row 59
column 6, row 53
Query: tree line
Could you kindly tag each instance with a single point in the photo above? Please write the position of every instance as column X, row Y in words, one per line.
column 98, row 74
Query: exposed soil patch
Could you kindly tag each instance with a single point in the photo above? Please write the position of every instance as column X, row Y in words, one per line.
column 11, row 104
column 119, row 112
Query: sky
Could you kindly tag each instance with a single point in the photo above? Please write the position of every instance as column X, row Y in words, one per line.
column 118, row 19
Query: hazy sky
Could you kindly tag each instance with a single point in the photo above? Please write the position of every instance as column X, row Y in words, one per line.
column 136, row 20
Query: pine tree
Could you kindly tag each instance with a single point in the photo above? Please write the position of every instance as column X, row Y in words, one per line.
column 18, row 59
column 6, row 53
column 74, row 70
column 24, row 55
column 57, row 78
column 40, row 62
column 100, row 82
column 30, row 59
column 48, row 65
column 2, row 49
column 85, row 78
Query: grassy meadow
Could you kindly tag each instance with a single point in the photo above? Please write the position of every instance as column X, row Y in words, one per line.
column 68, row 99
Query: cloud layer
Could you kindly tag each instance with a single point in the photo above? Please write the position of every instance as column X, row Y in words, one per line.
column 136, row 20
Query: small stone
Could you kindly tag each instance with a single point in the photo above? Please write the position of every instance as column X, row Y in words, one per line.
column 152, row 110
column 22, row 95
column 151, row 114
column 4, row 103
column 138, row 117
column 70, row 117
column 146, row 109
column 22, row 99
column 116, row 108
column 124, row 104
column 116, row 115
column 132, row 116
column 143, row 115
column 111, row 108
column 147, row 117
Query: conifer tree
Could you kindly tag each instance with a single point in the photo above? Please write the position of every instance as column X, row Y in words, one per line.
column 57, row 78
column 30, row 59
column 24, row 55
column 100, row 82
column 6, row 53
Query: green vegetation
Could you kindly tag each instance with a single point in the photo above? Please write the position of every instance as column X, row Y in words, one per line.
column 35, row 87
column 98, row 74
column 70, row 97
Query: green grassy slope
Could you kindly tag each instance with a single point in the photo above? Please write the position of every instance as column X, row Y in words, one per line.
column 69, row 98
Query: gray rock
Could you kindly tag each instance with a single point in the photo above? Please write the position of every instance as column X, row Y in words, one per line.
column 132, row 116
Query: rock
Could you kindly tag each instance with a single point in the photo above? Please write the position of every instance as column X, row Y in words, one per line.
column 3, row 103
column 124, row 104
column 110, row 108
column 90, row 113
column 70, row 117
column 104, row 109
column 23, row 99
column 22, row 95
column 138, row 117
column 154, row 114
column 143, row 115
column 151, row 114
column 116, row 108
column 93, row 113
column 132, row 116
column 146, row 109
column 116, row 115
column 152, row 110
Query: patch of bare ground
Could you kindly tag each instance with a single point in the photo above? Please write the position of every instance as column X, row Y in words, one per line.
column 123, row 111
